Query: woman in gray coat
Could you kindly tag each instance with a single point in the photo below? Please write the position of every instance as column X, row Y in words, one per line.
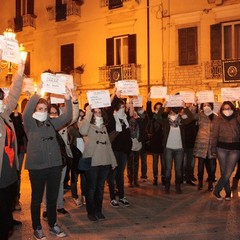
column 44, row 160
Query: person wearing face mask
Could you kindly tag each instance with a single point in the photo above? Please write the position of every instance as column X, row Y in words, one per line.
column 203, row 144
column 9, row 162
column 226, row 146
column 174, row 144
column 43, row 160
column 97, row 146
column 118, row 122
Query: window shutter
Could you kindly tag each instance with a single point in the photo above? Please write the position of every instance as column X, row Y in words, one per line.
column 67, row 58
column 132, row 45
column 110, row 51
column 187, row 45
column 30, row 7
column 216, row 41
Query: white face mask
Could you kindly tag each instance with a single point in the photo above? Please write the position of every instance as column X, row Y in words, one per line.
column 207, row 110
column 121, row 113
column 140, row 111
column 227, row 113
column 98, row 121
column 40, row 116
column 2, row 106
column 173, row 117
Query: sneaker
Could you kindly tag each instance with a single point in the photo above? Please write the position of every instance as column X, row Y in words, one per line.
column 217, row 195
column 44, row 215
column 56, row 230
column 114, row 203
column 63, row 211
column 124, row 201
column 143, row 180
column 77, row 202
column 228, row 197
column 38, row 233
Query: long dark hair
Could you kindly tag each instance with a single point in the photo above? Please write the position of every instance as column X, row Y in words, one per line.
column 104, row 116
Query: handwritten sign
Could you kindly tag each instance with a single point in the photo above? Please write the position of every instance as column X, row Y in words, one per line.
column 53, row 84
column 99, row 98
column 10, row 50
column 174, row 101
column 230, row 94
column 68, row 78
column 128, row 87
column 188, row 97
column 57, row 99
column 158, row 92
column 205, row 96
column 138, row 101
column 28, row 85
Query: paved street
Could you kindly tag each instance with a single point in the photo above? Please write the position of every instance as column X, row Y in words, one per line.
column 152, row 215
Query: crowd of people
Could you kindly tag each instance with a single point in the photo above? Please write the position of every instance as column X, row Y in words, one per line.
column 108, row 141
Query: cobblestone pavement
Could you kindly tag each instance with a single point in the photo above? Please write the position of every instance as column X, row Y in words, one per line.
column 152, row 214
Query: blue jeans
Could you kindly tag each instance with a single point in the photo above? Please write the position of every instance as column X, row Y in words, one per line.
column 118, row 175
column 188, row 164
column 95, row 179
column 49, row 177
column 227, row 160
column 175, row 155
column 210, row 166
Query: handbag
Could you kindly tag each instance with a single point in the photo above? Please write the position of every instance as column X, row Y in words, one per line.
column 84, row 163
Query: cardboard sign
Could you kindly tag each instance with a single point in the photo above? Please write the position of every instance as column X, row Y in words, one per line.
column 188, row 97
column 138, row 101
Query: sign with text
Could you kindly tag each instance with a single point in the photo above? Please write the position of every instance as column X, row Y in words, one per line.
column 174, row 101
column 68, row 78
column 57, row 99
column 10, row 50
column 99, row 98
column 205, row 96
column 138, row 101
column 128, row 87
column 230, row 94
column 28, row 85
column 53, row 84
column 188, row 97
column 158, row 92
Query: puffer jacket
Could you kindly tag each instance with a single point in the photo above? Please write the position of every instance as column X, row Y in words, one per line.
column 203, row 142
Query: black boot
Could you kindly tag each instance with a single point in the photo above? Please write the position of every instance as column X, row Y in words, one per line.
column 234, row 183
column 155, row 181
column 178, row 188
column 210, row 186
column 163, row 181
column 200, row 184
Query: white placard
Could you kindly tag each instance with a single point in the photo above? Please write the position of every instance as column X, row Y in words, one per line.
column 68, row 78
column 128, row 87
column 174, row 101
column 57, row 99
column 10, row 50
column 230, row 94
column 205, row 96
column 53, row 84
column 158, row 92
column 188, row 97
column 138, row 101
column 99, row 98
column 28, row 85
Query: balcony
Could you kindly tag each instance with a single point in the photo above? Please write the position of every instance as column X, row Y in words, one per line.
column 123, row 72
column 213, row 69
column 29, row 20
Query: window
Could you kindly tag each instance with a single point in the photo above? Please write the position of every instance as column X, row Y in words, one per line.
column 67, row 58
column 225, row 41
column 121, row 50
column 187, row 46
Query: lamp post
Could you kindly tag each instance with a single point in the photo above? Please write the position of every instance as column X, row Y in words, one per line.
column 10, row 35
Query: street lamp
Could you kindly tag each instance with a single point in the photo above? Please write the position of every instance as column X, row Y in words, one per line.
column 9, row 34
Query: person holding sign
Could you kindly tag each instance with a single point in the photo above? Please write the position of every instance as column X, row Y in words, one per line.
column 44, row 160
column 226, row 146
column 119, row 133
column 203, row 144
column 174, row 143
column 97, row 146
column 9, row 163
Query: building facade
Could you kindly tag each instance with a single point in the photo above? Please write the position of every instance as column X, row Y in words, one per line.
column 184, row 45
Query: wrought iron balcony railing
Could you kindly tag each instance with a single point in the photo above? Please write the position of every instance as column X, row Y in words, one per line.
column 213, row 69
column 123, row 72
column 29, row 20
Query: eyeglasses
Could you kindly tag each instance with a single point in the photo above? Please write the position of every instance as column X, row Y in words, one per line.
column 53, row 113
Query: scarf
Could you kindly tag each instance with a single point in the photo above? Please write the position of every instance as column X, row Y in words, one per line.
column 175, row 123
column 120, row 115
